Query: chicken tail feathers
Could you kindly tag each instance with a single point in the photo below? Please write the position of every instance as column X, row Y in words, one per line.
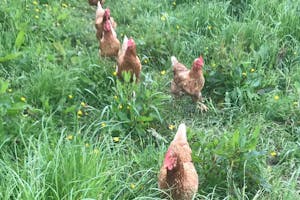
column 181, row 133
column 124, row 45
column 99, row 6
column 174, row 61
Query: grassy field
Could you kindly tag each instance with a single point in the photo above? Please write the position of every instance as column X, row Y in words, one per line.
column 70, row 130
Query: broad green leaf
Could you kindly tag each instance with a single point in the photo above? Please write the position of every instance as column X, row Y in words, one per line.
column 20, row 39
column 9, row 57
column 3, row 86
column 59, row 48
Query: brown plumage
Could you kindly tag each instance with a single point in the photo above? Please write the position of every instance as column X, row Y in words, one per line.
column 94, row 2
column 109, row 43
column 188, row 81
column 101, row 16
column 178, row 174
column 128, row 59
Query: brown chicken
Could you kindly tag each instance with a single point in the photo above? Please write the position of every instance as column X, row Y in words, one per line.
column 178, row 174
column 109, row 43
column 188, row 81
column 128, row 59
column 94, row 2
column 101, row 16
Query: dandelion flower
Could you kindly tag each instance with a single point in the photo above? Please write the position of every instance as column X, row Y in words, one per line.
column 23, row 99
column 37, row 10
column 174, row 3
column 120, row 106
column 244, row 74
column 103, row 124
column 69, row 137
column 9, row 90
column 295, row 103
column 273, row 154
column 252, row 70
column 178, row 27
column 115, row 97
column 87, row 145
column 209, row 27
column 163, row 72
column 70, row 96
column 79, row 113
column 171, row 127
column 37, row 17
column 132, row 186
column 146, row 61
column 115, row 73
column 128, row 107
column 276, row 97
column 116, row 139
column 214, row 65
column 35, row 2
column 64, row 5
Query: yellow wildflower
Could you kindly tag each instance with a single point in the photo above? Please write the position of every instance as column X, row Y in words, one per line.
column 174, row 3
column 87, row 145
column 276, row 97
column 103, row 124
column 69, row 137
column 35, row 2
column 273, row 154
column 115, row 97
column 252, row 70
column 214, row 65
column 96, row 151
column 163, row 72
column 128, row 107
column 37, row 10
column 116, row 139
column 79, row 113
column 295, row 53
column 132, row 186
column 244, row 74
column 206, row 48
column 171, row 127
column 295, row 103
column 209, row 27
column 70, row 96
column 146, row 61
column 23, row 99
column 37, row 17
column 120, row 106
column 9, row 90
column 83, row 104
column 115, row 73
column 178, row 27
column 164, row 17
column 64, row 5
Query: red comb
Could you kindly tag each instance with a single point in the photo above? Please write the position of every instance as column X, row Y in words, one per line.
column 130, row 42
column 107, row 13
column 169, row 161
column 200, row 61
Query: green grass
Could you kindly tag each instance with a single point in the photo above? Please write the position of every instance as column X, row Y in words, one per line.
column 111, row 146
